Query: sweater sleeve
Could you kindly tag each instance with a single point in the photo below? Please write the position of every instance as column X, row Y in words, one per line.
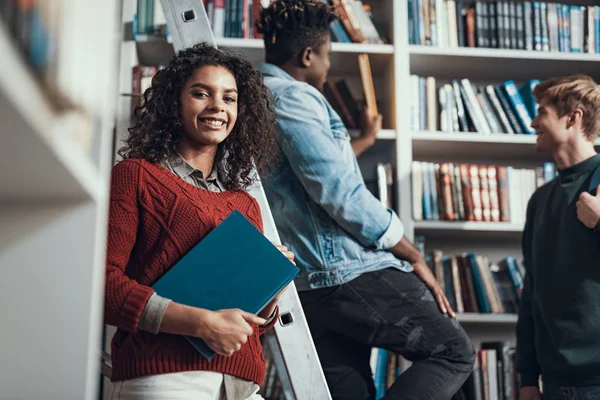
column 270, row 322
column 125, row 298
column 527, row 365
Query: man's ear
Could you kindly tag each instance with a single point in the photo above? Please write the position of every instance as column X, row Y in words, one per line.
column 306, row 57
column 575, row 117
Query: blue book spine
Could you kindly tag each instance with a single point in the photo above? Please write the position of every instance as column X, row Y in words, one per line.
column 561, row 36
column 482, row 300
column 338, row 32
column 518, row 106
column 411, row 22
column 433, row 191
column 544, row 25
column 568, row 30
column 427, row 209
column 537, row 29
column 597, row 27
column 515, row 276
column 422, row 103
column 381, row 373
column 526, row 93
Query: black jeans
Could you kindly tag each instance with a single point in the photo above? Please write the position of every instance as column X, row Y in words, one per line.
column 393, row 310
column 571, row 393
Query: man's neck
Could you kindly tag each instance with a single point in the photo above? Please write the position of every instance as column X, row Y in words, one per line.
column 295, row 72
column 573, row 153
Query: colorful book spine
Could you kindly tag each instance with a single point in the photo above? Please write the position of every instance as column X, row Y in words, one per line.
column 519, row 107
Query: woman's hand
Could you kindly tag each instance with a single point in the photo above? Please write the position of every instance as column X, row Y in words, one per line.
column 269, row 308
column 285, row 251
column 226, row 331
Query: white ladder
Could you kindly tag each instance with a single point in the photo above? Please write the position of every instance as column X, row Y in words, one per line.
column 293, row 347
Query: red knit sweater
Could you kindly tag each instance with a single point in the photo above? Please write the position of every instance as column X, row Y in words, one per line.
column 155, row 218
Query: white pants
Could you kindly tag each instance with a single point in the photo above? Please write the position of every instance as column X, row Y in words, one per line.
column 192, row 385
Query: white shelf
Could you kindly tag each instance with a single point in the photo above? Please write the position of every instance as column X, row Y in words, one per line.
column 157, row 51
column 39, row 157
column 454, row 229
column 481, row 63
column 235, row 43
column 384, row 134
column 477, row 318
column 447, row 146
column 450, row 146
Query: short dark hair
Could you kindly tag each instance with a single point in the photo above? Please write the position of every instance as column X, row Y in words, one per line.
column 290, row 26
column 252, row 142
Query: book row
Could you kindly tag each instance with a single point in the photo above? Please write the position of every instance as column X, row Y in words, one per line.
column 473, row 284
column 494, row 374
column 527, row 25
column 471, row 192
column 461, row 106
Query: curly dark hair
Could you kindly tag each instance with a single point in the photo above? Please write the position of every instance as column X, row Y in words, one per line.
column 252, row 142
column 290, row 26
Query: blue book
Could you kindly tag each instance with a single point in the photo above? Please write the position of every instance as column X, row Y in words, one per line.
column 514, row 97
column 515, row 276
column 234, row 266
column 480, row 295
column 597, row 27
column 380, row 378
column 526, row 92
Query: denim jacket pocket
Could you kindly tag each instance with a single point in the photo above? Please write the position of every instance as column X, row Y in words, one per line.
column 327, row 234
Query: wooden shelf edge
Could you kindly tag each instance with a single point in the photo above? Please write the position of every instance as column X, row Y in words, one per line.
column 257, row 44
column 473, row 137
column 474, row 226
column 501, row 53
column 482, row 318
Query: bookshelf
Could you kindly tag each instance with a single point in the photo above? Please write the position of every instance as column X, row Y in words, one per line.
column 53, row 204
column 482, row 66
column 68, row 171
column 498, row 64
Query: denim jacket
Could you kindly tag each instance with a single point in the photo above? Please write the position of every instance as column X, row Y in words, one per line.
column 323, row 211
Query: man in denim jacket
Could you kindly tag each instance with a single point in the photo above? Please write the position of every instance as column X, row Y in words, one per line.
column 362, row 283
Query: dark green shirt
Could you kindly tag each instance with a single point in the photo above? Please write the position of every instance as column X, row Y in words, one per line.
column 558, row 333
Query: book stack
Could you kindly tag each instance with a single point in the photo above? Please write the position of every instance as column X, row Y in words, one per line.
column 141, row 80
column 471, row 192
column 474, row 285
column 150, row 20
column 494, row 375
column 461, row 106
column 237, row 19
column 356, row 23
column 505, row 24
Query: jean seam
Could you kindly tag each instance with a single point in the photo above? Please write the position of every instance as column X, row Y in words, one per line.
column 367, row 305
column 434, row 388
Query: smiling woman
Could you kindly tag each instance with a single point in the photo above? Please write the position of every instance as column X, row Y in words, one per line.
column 204, row 125
column 201, row 88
